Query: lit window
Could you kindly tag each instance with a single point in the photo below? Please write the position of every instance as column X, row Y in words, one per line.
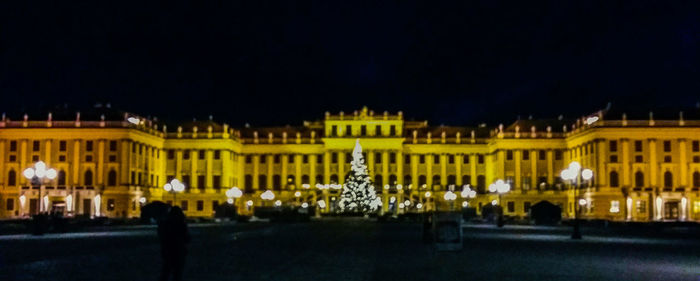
column 614, row 206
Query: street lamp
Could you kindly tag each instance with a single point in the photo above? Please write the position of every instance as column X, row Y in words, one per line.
column 467, row 193
column 37, row 174
column 174, row 186
column 450, row 197
column 268, row 195
column 571, row 174
column 500, row 187
column 233, row 194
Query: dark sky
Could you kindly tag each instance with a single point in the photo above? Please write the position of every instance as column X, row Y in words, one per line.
column 270, row 62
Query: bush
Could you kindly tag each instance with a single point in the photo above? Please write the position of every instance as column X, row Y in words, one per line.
column 226, row 211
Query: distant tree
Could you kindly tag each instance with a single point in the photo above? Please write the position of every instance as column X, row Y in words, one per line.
column 358, row 194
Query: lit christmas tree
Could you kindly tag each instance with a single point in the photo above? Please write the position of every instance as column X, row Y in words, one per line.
column 358, row 192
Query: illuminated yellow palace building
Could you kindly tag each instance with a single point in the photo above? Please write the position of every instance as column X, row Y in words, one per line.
column 110, row 165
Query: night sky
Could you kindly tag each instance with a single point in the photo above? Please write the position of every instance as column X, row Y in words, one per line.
column 277, row 63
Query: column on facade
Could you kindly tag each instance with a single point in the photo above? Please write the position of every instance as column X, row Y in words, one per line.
column 341, row 167
column 124, row 163
column 533, row 169
column 76, row 162
column 226, row 164
column 443, row 169
column 472, row 169
column 285, row 161
column 550, row 165
column 3, row 180
column 297, row 170
column 518, row 156
column 414, row 171
column 490, row 169
column 625, row 162
column 429, row 170
column 100, row 161
column 312, row 170
column 458, row 170
column 682, row 158
column 500, row 164
column 47, row 153
column 209, row 170
column 326, row 167
column 385, row 167
column 399, row 168
column 178, row 165
column 256, row 171
column 653, row 166
column 270, row 170
column 601, row 174
column 370, row 164
column 194, row 158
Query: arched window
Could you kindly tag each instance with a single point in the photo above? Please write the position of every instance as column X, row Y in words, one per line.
column 436, row 180
column 12, row 178
column 378, row 181
column 407, row 180
column 481, row 184
column 668, row 179
column 305, row 179
column 334, row 178
column 696, row 179
column 262, row 182
column 422, row 179
column 392, row 179
column 614, row 179
column 61, row 178
column 112, row 178
column 451, row 179
column 88, row 178
column 248, row 183
column 276, row 182
column 319, row 179
column 466, row 179
column 639, row 179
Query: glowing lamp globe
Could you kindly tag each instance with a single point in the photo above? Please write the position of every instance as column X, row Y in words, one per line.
column 582, row 202
column 306, row 205
column 51, row 174
column 427, row 194
column 28, row 173
column 168, row 187
column 297, row 194
column 575, row 166
column 40, row 165
column 587, row 174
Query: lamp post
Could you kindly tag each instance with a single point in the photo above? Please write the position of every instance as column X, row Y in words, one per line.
column 571, row 174
column 174, row 186
column 500, row 187
column 233, row 194
column 450, row 197
column 37, row 174
column 268, row 195
column 467, row 193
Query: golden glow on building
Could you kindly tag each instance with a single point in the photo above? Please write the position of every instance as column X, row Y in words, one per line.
column 643, row 170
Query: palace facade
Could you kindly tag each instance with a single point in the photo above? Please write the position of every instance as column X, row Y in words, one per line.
column 111, row 164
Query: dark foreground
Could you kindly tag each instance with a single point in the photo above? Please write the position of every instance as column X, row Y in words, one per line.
column 352, row 249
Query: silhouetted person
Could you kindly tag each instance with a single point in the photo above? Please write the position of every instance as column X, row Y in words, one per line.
column 173, row 235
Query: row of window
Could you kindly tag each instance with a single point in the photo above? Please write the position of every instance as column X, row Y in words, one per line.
column 63, row 145
column 639, row 179
column 201, row 155
column 639, row 146
column 541, row 155
column 363, row 131
column 348, row 158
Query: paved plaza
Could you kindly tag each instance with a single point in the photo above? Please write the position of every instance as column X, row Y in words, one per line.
column 351, row 249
